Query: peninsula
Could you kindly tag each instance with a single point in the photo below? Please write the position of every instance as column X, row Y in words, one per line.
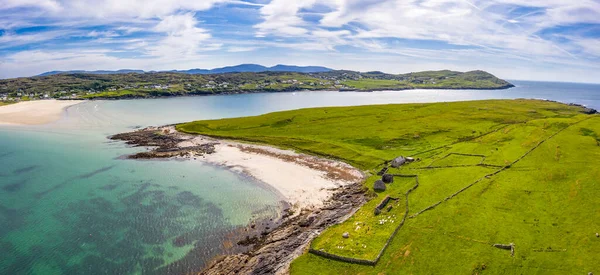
column 494, row 185
column 129, row 85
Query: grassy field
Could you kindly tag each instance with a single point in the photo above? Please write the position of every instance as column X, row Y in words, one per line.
column 496, row 171
column 370, row 84
column 429, row 80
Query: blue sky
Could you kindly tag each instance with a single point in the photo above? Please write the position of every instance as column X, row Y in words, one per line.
column 556, row 40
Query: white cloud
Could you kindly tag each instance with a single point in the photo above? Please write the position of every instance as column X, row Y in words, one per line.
column 10, row 39
column 281, row 18
column 237, row 49
column 124, row 9
column 459, row 22
column 587, row 45
column 387, row 35
column 50, row 5
column 183, row 37
column 26, row 63
column 95, row 33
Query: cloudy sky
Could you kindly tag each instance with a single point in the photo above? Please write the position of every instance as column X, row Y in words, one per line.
column 557, row 40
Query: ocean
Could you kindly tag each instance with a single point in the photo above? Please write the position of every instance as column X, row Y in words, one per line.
column 71, row 204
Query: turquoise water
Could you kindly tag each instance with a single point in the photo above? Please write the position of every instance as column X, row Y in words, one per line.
column 70, row 205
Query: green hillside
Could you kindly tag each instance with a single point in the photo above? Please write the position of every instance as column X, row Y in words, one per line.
column 142, row 85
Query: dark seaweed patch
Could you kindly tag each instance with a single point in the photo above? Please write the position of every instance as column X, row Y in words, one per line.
column 188, row 198
column 14, row 186
column 120, row 232
column 54, row 188
column 96, row 172
column 83, row 176
column 109, row 187
column 25, row 169
column 3, row 155
column 10, row 219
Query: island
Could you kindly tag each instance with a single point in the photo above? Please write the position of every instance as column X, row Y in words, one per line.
column 73, row 85
column 490, row 186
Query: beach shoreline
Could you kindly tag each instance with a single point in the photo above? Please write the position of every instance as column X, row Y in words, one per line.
column 320, row 193
column 36, row 112
column 304, row 181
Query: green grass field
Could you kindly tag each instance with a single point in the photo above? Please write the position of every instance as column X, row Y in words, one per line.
column 540, row 193
column 367, row 84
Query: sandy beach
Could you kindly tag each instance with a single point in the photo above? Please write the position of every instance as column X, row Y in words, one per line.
column 304, row 181
column 34, row 112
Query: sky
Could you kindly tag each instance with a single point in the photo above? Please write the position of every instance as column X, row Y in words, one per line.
column 552, row 40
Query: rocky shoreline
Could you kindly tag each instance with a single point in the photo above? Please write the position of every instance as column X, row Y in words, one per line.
column 274, row 251
column 268, row 246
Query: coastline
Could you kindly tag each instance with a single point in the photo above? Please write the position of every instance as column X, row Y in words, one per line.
column 235, row 92
column 304, row 181
column 320, row 193
column 34, row 112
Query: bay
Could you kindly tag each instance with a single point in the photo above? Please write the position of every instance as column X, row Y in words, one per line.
column 69, row 204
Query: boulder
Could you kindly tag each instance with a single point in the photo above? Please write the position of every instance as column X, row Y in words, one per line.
column 387, row 178
column 379, row 186
column 589, row 111
column 306, row 222
column 346, row 235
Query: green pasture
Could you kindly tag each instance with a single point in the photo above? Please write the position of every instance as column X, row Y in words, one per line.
column 497, row 171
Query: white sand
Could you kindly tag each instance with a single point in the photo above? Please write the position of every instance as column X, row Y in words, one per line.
column 306, row 182
column 34, row 112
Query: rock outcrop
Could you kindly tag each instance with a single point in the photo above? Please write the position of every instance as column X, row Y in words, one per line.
column 275, row 250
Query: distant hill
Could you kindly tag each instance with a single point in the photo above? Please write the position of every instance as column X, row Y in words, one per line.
column 229, row 80
column 242, row 68
column 124, row 71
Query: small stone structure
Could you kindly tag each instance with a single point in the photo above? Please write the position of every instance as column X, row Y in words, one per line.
column 387, row 178
column 379, row 186
column 382, row 171
column 510, row 247
column 387, row 243
column 382, row 204
column 399, row 161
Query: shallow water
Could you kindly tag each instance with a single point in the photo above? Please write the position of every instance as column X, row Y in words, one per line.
column 70, row 205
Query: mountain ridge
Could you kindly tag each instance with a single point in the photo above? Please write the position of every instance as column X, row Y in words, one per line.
column 241, row 68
